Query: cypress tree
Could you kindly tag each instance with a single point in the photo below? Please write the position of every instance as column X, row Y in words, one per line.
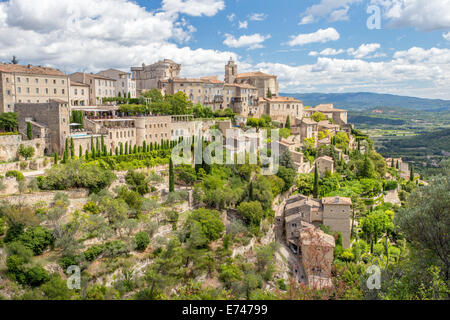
column 359, row 145
column 87, row 154
column 65, row 156
column 110, row 152
column 67, row 146
column 134, row 149
column 397, row 165
column 97, row 144
column 392, row 164
column 316, row 182
column 80, row 152
column 102, row 141
column 117, row 151
column 121, row 149
column 130, row 150
column 55, row 158
column 288, row 122
column 411, row 173
column 92, row 143
column 126, row 147
column 144, row 146
column 171, row 177
column 72, row 148
column 151, row 146
column 29, row 131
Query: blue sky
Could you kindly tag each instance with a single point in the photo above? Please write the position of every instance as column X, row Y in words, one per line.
column 312, row 45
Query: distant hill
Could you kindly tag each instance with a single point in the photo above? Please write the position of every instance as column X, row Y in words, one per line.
column 367, row 100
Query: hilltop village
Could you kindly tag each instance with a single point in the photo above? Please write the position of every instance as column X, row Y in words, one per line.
column 87, row 180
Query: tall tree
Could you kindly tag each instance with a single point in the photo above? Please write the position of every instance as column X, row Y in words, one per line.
column 411, row 173
column 288, row 122
column 72, row 148
column 171, row 177
column 29, row 131
column 316, row 182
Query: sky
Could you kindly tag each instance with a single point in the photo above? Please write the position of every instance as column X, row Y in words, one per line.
column 384, row 46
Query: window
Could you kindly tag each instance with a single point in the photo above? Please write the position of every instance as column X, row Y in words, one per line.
column 28, row 90
column 82, row 91
column 76, row 91
column 46, row 90
column 18, row 79
column 7, row 80
column 62, row 81
column 28, row 80
column 54, row 81
column 36, row 80
column 46, row 81
column 63, row 91
column 8, row 92
column 37, row 90
column 54, row 91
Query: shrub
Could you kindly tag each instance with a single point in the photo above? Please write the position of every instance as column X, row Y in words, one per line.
column 230, row 273
column 75, row 174
column 16, row 174
column 37, row 239
column 91, row 207
column 93, row 252
column 142, row 240
column 390, row 185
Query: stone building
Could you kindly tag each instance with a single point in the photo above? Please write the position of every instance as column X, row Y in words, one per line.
column 331, row 211
column 279, row 108
column 78, row 94
column 207, row 91
column 125, row 85
column 262, row 81
column 30, row 84
column 338, row 115
column 99, row 86
column 324, row 164
column 148, row 77
column 49, row 120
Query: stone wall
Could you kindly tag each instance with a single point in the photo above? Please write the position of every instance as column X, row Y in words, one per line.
column 45, row 196
column 9, row 144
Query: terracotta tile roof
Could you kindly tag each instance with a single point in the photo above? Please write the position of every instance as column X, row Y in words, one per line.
column 254, row 74
column 282, row 99
column 240, row 85
column 78, row 84
column 326, row 108
column 308, row 121
column 310, row 234
column 325, row 158
column 30, row 69
column 92, row 75
column 337, row 200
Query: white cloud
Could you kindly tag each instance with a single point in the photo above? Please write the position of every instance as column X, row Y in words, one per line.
column 364, row 50
column 91, row 35
column 243, row 25
column 446, row 36
column 258, row 16
column 193, row 7
column 336, row 10
column 231, row 17
column 326, row 52
column 253, row 41
column 416, row 72
column 424, row 15
column 321, row 35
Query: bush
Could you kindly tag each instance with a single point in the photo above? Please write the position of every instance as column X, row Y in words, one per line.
column 230, row 273
column 210, row 222
column 390, row 185
column 75, row 174
column 142, row 240
column 93, row 252
column 37, row 239
column 91, row 207
column 16, row 174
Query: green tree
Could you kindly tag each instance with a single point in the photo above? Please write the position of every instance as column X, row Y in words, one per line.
column 26, row 152
column 252, row 211
column 142, row 240
column 171, row 177
column 209, row 221
column 269, row 93
column 29, row 131
column 316, row 183
column 288, row 122
column 425, row 223
column 318, row 116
